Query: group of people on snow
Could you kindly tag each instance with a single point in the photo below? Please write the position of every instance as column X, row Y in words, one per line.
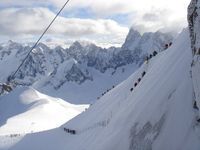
column 70, row 131
column 143, row 74
column 106, row 91
column 168, row 45
column 151, row 56
column 138, row 81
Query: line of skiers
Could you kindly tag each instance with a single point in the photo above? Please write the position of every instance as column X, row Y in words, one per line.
column 168, row 45
column 143, row 74
column 70, row 131
column 151, row 56
column 138, row 81
column 106, row 91
column 14, row 135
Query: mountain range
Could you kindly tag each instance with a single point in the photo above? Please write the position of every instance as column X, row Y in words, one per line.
column 80, row 68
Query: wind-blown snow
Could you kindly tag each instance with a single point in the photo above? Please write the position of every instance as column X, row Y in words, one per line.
column 157, row 115
column 25, row 110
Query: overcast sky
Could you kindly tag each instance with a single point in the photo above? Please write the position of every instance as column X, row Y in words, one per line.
column 105, row 22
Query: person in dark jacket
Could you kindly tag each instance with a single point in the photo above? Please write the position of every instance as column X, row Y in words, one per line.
column 154, row 53
column 143, row 74
column 131, row 89
column 135, row 84
column 73, row 132
column 166, row 46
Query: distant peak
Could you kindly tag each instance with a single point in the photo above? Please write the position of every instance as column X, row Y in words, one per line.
column 76, row 45
column 131, row 39
column 10, row 42
column 134, row 31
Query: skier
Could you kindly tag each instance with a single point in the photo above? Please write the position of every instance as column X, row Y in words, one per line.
column 73, row 132
column 135, row 84
column 155, row 53
column 143, row 74
column 166, row 46
column 131, row 89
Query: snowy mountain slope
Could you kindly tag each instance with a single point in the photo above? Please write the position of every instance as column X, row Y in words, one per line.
column 157, row 115
column 159, row 109
column 90, row 90
column 25, row 110
column 45, row 68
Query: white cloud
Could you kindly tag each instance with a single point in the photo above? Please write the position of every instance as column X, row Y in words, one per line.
column 32, row 21
column 144, row 15
column 109, row 6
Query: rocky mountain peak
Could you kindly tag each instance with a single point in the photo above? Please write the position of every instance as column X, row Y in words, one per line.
column 194, row 25
column 132, row 39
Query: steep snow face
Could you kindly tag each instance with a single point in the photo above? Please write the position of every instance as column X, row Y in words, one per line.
column 25, row 110
column 157, row 114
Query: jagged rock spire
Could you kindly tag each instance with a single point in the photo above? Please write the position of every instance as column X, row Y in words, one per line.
column 194, row 25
